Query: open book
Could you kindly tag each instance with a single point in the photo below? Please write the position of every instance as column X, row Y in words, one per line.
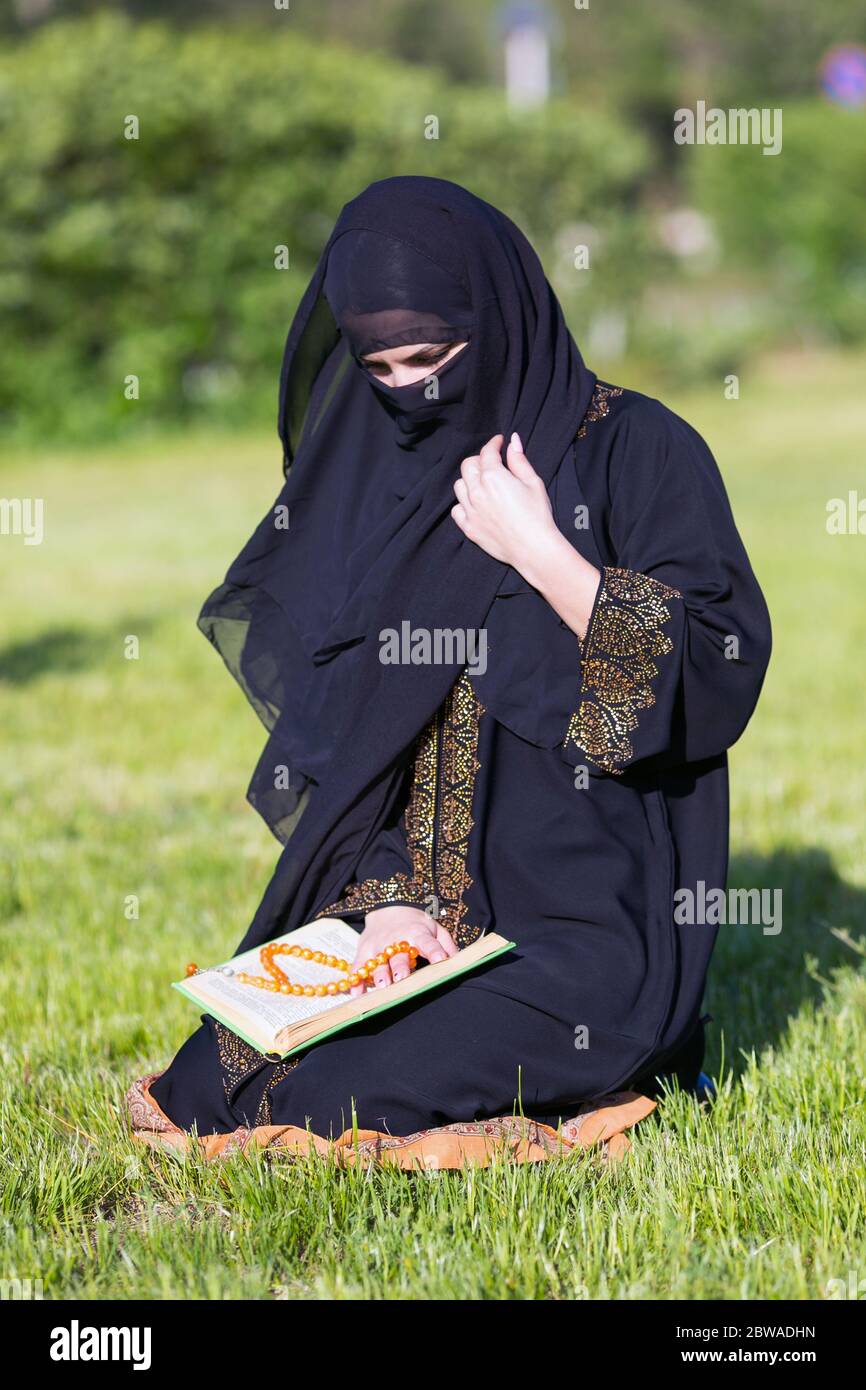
column 280, row 1024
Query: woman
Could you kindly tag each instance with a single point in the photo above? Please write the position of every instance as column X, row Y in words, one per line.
column 453, row 469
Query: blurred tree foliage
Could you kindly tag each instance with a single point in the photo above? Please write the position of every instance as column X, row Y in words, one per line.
column 797, row 221
column 639, row 54
column 155, row 257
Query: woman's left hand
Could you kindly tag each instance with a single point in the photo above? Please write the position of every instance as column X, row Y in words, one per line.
column 504, row 507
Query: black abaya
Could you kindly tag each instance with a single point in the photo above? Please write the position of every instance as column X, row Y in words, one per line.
column 561, row 798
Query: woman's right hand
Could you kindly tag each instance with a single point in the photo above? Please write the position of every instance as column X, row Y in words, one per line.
column 385, row 927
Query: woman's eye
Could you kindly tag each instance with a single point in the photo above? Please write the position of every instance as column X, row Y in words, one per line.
column 383, row 369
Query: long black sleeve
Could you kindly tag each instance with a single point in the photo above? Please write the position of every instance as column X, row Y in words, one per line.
column 679, row 637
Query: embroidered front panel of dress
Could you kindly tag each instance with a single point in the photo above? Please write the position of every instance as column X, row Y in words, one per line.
column 239, row 1060
column 458, row 768
column 618, row 665
column 438, row 820
column 279, row 1072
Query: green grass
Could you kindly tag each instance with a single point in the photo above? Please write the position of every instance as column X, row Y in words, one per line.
column 127, row 778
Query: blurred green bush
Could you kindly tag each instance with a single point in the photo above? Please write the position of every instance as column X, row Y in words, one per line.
column 796, row 222
column 155, row 256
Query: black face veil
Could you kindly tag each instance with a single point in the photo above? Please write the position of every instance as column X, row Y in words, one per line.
column 360, row 538
column 384, row 295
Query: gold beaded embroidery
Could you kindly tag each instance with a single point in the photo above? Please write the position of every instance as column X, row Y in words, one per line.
column 459, row 768
column 239, row 1060
column 398, row 890
column 598, row 406
column 618, row 666
column 279, row 1072
column 437, row 819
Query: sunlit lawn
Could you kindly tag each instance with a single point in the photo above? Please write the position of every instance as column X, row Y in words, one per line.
column 126, row 777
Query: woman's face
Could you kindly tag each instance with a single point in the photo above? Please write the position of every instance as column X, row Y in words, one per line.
column 401, row 366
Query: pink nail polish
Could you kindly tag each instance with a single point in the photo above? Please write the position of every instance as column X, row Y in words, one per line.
column 517, row 441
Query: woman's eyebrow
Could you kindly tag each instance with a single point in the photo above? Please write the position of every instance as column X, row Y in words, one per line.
column 433, row 350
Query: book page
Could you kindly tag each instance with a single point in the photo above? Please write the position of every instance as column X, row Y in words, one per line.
column 273, row 1012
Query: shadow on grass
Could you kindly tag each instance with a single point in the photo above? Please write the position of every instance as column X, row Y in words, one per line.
column 757, row 982
column 67, row 650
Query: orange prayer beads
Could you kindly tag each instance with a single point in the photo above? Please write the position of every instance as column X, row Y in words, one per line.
column 279, row 982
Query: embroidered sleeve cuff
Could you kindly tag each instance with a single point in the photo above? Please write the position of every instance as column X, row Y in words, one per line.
column 397, row 891
column 618, row 666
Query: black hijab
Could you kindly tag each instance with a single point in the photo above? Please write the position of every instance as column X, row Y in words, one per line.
column 360, row 538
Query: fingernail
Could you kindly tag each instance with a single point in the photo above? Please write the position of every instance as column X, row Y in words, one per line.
column 517, row 441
